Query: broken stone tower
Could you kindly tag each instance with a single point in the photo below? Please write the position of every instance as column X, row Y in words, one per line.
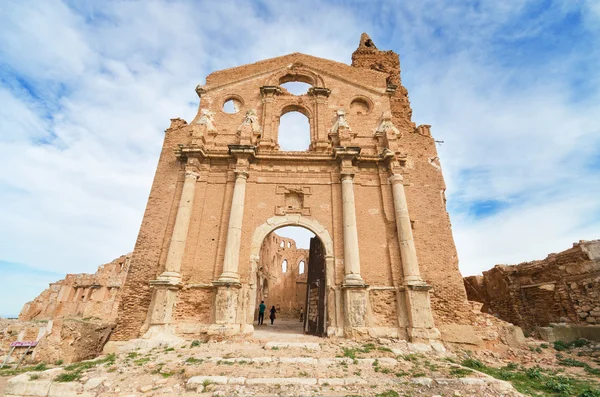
column 370, row 187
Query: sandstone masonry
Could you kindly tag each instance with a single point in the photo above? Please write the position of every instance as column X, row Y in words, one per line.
column 563, row 288
column 370, row 188
column 81, row 295
column 282, row 272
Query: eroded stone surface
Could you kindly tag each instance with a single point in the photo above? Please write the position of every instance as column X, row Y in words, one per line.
column 561, row 288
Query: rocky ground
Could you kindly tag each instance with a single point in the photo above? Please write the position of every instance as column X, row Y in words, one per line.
column 278, row 361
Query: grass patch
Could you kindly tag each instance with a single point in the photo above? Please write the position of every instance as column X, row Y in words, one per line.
column 562, row 346
column 8, row 371
column 73, row 371
column 141, row 361
column 535, row 380
column 193, row 360
column 460, row 372
column 388, row 393
column 68, row 377
column 205, row 384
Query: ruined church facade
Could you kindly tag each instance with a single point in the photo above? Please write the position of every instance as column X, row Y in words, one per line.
column 369, row 187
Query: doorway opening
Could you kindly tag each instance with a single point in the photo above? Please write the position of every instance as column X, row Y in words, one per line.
column 291, row 281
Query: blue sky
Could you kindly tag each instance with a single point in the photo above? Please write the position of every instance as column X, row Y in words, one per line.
column 87, row 89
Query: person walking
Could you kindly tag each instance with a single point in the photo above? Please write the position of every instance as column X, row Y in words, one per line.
column 301, row 314
column 261, row 313
column 272, row 316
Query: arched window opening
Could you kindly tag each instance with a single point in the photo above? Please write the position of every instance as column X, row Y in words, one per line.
column 360, row 106
column 282, row 244
column 232, row 105
column 296, row 87
column 289, row 244
column 301, row 267
column 294, row 132
column 284, row 266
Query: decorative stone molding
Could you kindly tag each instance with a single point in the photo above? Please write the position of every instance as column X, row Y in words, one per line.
column 249, row 131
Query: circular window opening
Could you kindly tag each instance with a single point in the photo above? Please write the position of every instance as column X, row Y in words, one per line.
column 232, row 105
column 360, row 106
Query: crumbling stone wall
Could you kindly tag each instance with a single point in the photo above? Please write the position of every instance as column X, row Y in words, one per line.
column 81, row 295
column 286, row 290
column 370, row 179
column 563, row 288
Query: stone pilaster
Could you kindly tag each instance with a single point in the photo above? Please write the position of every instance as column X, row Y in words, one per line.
column 269, row 95
column 168, row 283
column 320, row 141
column 228, row 285
column 421, row 326
column 351, row 254
column 350, row 232
column 234, row 230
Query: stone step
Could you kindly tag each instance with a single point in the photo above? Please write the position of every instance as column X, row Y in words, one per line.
column 382, row 361
column 302, row 345
column 198, row 383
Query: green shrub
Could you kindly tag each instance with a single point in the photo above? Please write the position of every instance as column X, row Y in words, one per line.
column 388, row 393
column 195, row 343
column 580, row 342
column 569, row 362
column 590, row 393
column 534, row 373
column 40, row 367
column 460, row 372
column 68, row 377
column 561, row 346
column 558, row 386
column 473, row 363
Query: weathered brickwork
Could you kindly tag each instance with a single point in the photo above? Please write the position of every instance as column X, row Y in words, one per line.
column 369, row 186
column 81, row 295
column 563, row 288
column 286, row 290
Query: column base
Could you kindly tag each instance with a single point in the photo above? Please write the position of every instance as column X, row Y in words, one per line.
column 228, row 278
column 167, row 278
column 423, row 335
column 421, row 327
column 354, row 299
column 226, row 303
column 353, row 280
column 164, row 297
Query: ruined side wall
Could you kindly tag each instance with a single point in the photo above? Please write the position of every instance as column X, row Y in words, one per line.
column 563, row 288
column 286, row 291
column 81, row 295
column 425, row 192
column 150, row 250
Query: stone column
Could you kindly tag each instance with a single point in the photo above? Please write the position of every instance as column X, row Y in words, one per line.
column 167, row 285
column 234, row 231
column 410, row 264
column 351, row 255
column 180, row 229
column 421, row 327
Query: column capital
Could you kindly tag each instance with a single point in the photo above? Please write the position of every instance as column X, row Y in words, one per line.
column 396, row 178
column 347, row 175
column 192, row 174
column 241, row 174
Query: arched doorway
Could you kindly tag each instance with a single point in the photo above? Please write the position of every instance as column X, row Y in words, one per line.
column 276, row 260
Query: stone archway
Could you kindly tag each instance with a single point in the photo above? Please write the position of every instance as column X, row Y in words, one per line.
column 277, row 222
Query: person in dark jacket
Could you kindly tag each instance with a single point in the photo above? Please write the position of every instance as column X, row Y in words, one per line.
column 261, row 312
column 272, row 316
